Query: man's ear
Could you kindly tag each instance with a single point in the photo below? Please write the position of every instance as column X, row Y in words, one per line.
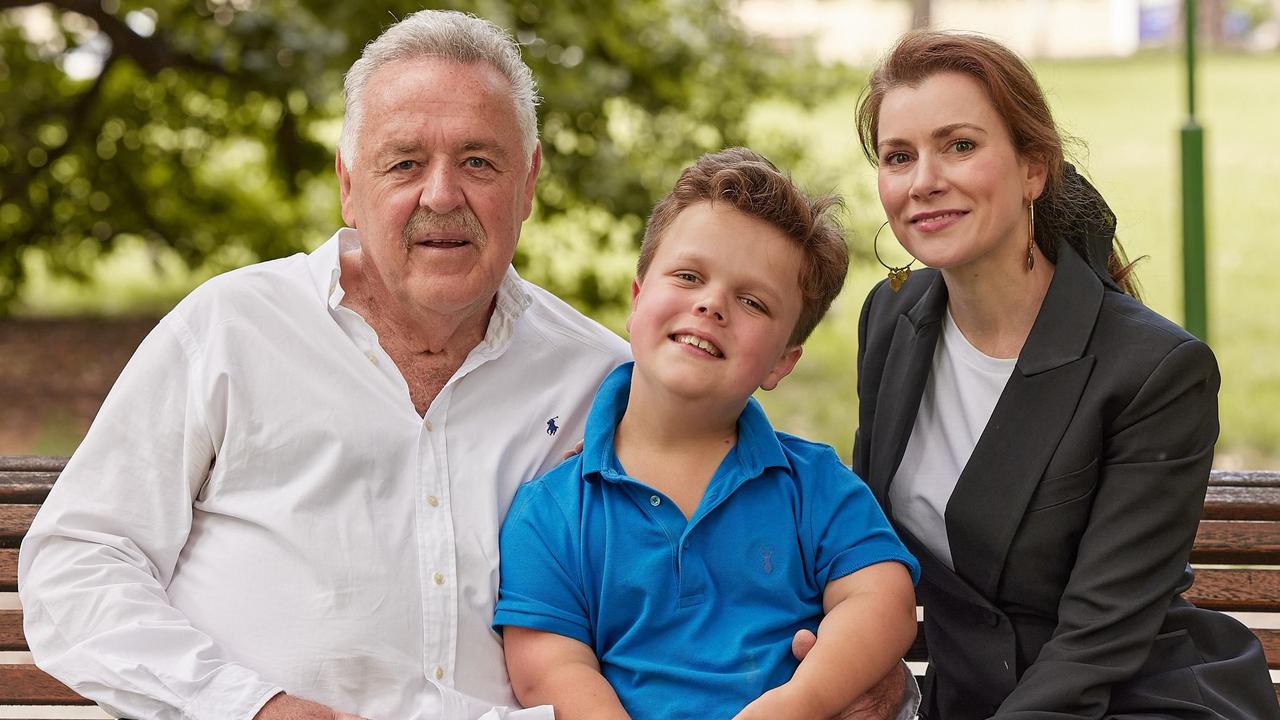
column 531, row 181
column 344, row 191
column 783, row 367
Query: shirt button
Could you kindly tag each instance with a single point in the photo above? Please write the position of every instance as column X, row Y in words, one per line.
column 428, row 426
column 439, row 578
column 372, row 358
column 439, row 673
column 433, row 501
column 654, row 500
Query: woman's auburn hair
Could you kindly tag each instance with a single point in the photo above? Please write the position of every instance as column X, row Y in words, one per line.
column 1063, row 207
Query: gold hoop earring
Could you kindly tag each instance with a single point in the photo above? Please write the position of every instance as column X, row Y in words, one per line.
column 1031, row 238
column 897, row 275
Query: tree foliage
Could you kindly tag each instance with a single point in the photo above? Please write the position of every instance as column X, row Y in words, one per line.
column 206, row 126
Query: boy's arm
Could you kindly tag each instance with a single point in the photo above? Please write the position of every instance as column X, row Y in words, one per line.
column 551, row 669
column 870, row 622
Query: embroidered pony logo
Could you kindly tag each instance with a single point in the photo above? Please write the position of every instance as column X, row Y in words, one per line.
column 551, row 425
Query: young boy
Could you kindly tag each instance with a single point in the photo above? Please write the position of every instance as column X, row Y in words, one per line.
column 662, row 572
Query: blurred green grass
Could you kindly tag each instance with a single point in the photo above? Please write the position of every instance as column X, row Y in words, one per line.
column 1128, row 113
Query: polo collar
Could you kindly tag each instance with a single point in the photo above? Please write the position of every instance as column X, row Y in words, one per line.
column 757, row 448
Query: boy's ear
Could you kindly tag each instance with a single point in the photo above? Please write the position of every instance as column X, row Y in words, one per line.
column 783, row 367
column 635, row 291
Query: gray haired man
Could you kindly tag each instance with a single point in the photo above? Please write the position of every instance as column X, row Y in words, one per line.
column 288, row 506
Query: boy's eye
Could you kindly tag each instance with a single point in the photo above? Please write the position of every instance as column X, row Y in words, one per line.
column 686, row 276
column 754, row 304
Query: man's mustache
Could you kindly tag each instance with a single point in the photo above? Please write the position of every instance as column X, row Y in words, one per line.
column 461, row 221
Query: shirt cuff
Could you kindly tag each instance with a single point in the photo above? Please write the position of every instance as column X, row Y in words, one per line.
column 232, row 691
column 457, row 706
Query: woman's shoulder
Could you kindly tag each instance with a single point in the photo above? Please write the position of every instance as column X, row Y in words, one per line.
column 1127, row 328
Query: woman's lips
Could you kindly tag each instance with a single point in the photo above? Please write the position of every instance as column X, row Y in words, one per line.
column 939, row 220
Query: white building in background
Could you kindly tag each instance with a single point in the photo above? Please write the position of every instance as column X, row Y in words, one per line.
column 859, row 31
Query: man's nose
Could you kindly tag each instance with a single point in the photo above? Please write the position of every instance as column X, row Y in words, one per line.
column 441, row 191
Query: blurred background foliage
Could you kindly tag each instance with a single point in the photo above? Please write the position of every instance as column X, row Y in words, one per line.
column 201, row 131
column 147, row 145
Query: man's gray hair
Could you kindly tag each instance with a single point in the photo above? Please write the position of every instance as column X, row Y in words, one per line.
column 449, row 35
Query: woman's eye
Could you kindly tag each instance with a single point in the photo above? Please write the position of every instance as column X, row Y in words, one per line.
column 964, row 145
column 896, row 158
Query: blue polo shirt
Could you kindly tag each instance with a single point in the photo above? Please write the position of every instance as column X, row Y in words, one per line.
column 689, row 619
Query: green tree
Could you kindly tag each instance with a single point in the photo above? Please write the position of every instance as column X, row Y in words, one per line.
column 205, row 125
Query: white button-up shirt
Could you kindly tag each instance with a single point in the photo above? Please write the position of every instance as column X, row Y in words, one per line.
column 258, row 506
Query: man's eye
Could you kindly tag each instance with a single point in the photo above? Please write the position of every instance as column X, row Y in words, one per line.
column 476, row 163
column 406, row 165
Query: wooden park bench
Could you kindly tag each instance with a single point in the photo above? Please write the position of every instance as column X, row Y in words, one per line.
column 1236, row 555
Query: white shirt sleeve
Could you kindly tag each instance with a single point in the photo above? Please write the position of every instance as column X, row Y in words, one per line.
column 457, row 706
column 94, row 568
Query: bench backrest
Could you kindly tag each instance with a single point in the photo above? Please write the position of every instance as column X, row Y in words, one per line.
column 1236, row 555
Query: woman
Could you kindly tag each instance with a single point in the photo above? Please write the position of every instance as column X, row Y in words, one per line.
column 1040, row 438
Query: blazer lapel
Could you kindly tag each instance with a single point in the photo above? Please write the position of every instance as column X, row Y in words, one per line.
column 902, row 384
column 1028, row 421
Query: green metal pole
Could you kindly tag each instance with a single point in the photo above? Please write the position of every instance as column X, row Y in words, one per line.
column 1194, row 287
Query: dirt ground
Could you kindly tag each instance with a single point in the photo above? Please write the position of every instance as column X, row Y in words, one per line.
column 54, row 375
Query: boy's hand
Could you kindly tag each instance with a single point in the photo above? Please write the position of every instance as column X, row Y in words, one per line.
column 882, row 702
column 577, row 448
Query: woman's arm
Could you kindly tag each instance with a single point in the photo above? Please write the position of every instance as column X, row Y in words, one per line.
column 1131, row 557
column 870, row 622
column 550, row 669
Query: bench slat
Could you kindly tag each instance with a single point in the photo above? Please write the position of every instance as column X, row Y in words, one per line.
column 1257, row 502
column 15, row 520
column 11, row 637
column 8, row 570
column 29, row 685
column 1240, row 542
column 1238, row 589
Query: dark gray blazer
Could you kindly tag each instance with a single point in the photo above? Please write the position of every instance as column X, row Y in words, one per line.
column 1071, row 525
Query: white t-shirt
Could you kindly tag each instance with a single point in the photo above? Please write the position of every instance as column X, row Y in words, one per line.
column 962, row 390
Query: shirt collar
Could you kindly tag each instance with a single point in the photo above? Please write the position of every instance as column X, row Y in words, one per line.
column 326, row 272
column 757, row 448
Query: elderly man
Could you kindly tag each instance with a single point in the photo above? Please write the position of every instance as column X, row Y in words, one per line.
column 296, row 484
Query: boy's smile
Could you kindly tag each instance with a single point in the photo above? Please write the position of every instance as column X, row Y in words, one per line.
column 712, row 316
